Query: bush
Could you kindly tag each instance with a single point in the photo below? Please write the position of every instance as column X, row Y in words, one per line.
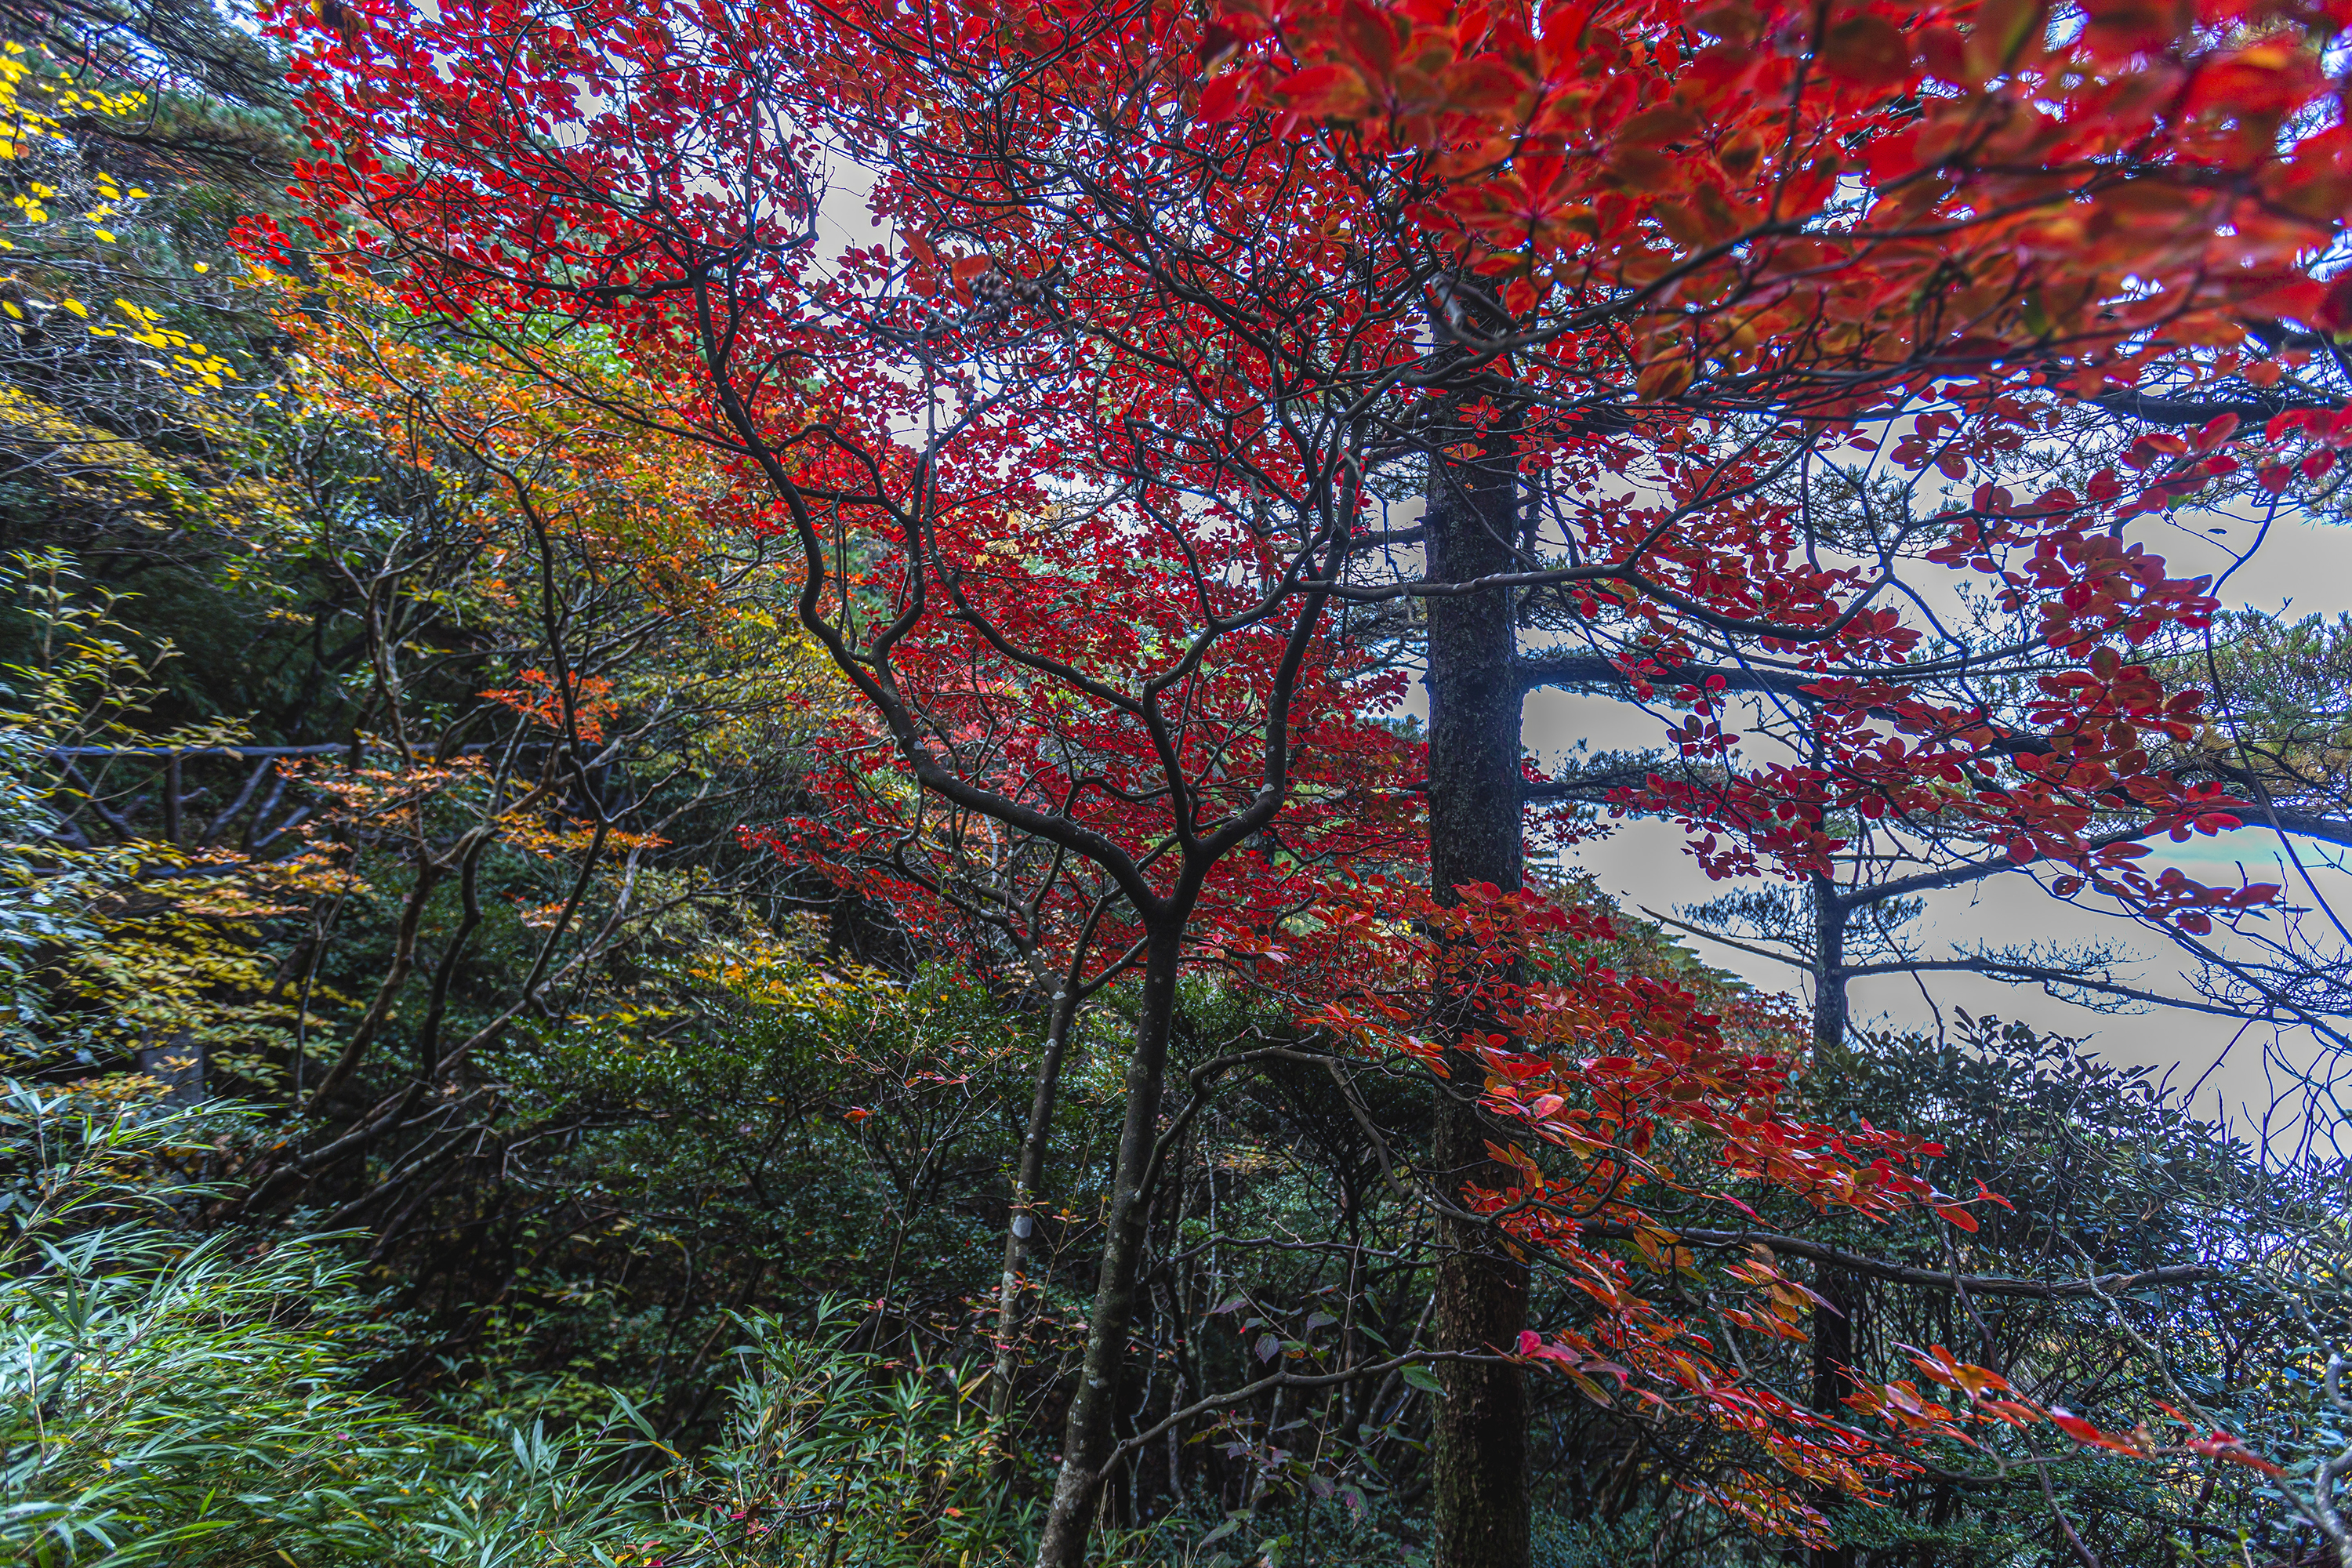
column 205, row 1402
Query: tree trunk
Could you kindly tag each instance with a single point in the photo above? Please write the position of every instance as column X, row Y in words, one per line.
column 1478, row 1451
column 1087, row 1442
column 1832, row 1325
column 1830, row 918
column 1832, row 1352
column 1021, row 1226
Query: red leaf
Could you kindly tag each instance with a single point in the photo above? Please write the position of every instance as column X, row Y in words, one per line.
column 2118, row 28
column 2222, row 1446
column 1731, row 21
column 1329, row 92
column 2083, row 1432
column 1223, row 98
column 1868, row 50
column 1483, row 85
column 2335, row 312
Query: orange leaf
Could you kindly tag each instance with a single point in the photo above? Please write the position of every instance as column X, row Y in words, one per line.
column 1663, row 379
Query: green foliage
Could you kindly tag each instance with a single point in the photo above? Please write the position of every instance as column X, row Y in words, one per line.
column 2104, row 1169
column 850, row 1460
column 85, row 970
column 203, row 1401
column 206, row 1401
column 1323, row 1526
column 802, row 1129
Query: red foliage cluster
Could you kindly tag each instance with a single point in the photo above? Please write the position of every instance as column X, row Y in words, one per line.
column 1639, row 1099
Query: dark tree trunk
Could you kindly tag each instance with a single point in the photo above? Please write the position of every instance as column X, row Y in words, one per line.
column 1478, row 1452
column 1086, row 1441
column 1830, row 917
column 1832, row 1325
column 1832, row 1352
column 1833, row 1340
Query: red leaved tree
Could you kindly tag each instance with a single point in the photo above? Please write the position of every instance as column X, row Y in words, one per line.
column 1049, row 924
column 1079, row 578
column 1082, row 459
